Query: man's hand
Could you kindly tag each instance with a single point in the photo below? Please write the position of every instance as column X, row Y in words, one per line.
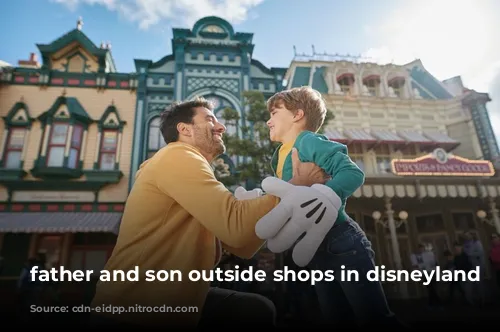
column 242, row 194
column 304, row 216
column 306, row 174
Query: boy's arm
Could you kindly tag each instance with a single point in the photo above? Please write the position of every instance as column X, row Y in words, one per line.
column 185, row 175
column 347, row 177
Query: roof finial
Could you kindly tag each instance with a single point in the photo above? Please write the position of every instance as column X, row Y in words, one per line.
column 112, row 102
column 63, row 93
column 79, row 23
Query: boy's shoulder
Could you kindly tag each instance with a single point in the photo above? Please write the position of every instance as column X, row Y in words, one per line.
column 311, row 139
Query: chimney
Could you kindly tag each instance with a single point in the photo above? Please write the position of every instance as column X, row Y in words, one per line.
column 31, row 63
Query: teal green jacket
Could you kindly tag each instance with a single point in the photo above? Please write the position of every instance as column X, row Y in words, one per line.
column 332, row 157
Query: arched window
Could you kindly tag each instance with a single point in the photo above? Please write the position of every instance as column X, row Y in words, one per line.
column 155, row 140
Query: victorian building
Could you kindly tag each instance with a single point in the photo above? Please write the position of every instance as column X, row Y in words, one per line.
column 425, row 146
column 75, row 131
column 210, row 60
column 64, row 155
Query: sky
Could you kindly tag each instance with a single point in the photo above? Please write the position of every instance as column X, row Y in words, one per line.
column 450, row 37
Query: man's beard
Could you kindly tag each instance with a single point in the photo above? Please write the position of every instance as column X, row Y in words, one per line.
column 206, row 141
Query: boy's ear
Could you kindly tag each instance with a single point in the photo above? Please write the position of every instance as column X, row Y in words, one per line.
column 299, row 115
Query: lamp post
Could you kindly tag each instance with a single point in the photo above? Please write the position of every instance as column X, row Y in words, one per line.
column 495, row 220
column 390, row 222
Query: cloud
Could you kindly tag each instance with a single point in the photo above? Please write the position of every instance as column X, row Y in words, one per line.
column 147, row 13
column 450, row 37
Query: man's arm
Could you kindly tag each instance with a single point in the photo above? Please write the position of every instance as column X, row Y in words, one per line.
column 247, row 251
column 347, row 177
column 186, row 176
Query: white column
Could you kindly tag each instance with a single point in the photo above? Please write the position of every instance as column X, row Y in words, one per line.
column 391, row 223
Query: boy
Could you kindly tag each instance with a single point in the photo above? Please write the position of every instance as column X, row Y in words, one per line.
column 296, row 116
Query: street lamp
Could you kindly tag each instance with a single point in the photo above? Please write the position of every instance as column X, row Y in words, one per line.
column 377, row 216
column 494, row 221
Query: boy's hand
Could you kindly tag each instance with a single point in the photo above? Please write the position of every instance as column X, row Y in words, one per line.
column 306, row 174
column 242, row 194
column 304, row 215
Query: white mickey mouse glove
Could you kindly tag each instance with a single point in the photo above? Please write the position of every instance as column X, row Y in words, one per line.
column 242, row 194
column 305, row 213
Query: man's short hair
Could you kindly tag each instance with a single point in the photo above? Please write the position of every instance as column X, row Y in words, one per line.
column 180, row 112
column 305, row 98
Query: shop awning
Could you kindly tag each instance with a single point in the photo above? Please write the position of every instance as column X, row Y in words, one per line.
column 442, row 139
column 360, row 136
column 413, row 136
column 336, row 135
column 387, row 136
column 60, row 222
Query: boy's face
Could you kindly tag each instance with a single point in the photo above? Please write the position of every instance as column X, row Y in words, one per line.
column 280, row 123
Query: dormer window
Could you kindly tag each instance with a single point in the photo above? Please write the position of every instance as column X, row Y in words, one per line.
column 15, row 136
column 109, row 140
column 346, row 81
column 372, row 83
column 63, row 136
column 397, row 84
column 65, row 130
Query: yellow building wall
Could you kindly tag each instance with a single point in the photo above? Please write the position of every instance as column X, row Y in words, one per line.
column 95, row 103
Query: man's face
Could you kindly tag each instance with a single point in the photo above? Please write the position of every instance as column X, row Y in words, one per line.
column 280, row 123
column 207, row 132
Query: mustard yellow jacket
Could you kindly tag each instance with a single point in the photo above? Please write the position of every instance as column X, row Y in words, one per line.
column 177, row 217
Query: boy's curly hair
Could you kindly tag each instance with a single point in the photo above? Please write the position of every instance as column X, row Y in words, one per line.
column 305, row 98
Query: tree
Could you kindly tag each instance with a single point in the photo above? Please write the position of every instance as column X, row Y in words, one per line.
column 253, row 146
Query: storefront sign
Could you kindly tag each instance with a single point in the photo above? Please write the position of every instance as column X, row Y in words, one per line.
column 441, row 163
column 53, row 196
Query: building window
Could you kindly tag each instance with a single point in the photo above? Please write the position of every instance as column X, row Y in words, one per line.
column 155, row 141
column 346, row 82
column 15, row 137
column 372, row 83
column 12, row 158
column 356, row 155
column 108, row 145
column 397, row 84
column 62, row 135
column 65, row 131
column 383, row 159
column 108, row 150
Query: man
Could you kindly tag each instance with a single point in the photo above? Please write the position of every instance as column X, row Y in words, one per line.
column 179, row 217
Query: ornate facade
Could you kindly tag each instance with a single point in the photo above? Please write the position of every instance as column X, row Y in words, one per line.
column 210, row 60
column 65, row 154
column 76, row 130
column 426, row 148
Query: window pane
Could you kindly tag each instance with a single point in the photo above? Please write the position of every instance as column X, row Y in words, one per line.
column 154, row 138
column 13, row 159
column 76, row 138
column 73, row 158
column 16, row 139
column 55, row 156
column 107, row 161
column 59, row 133
column 109, row 141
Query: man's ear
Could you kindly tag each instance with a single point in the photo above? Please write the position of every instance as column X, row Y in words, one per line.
column 299, row 115
column 184, row 129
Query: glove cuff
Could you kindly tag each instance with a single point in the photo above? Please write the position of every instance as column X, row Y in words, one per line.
column 329, row 193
